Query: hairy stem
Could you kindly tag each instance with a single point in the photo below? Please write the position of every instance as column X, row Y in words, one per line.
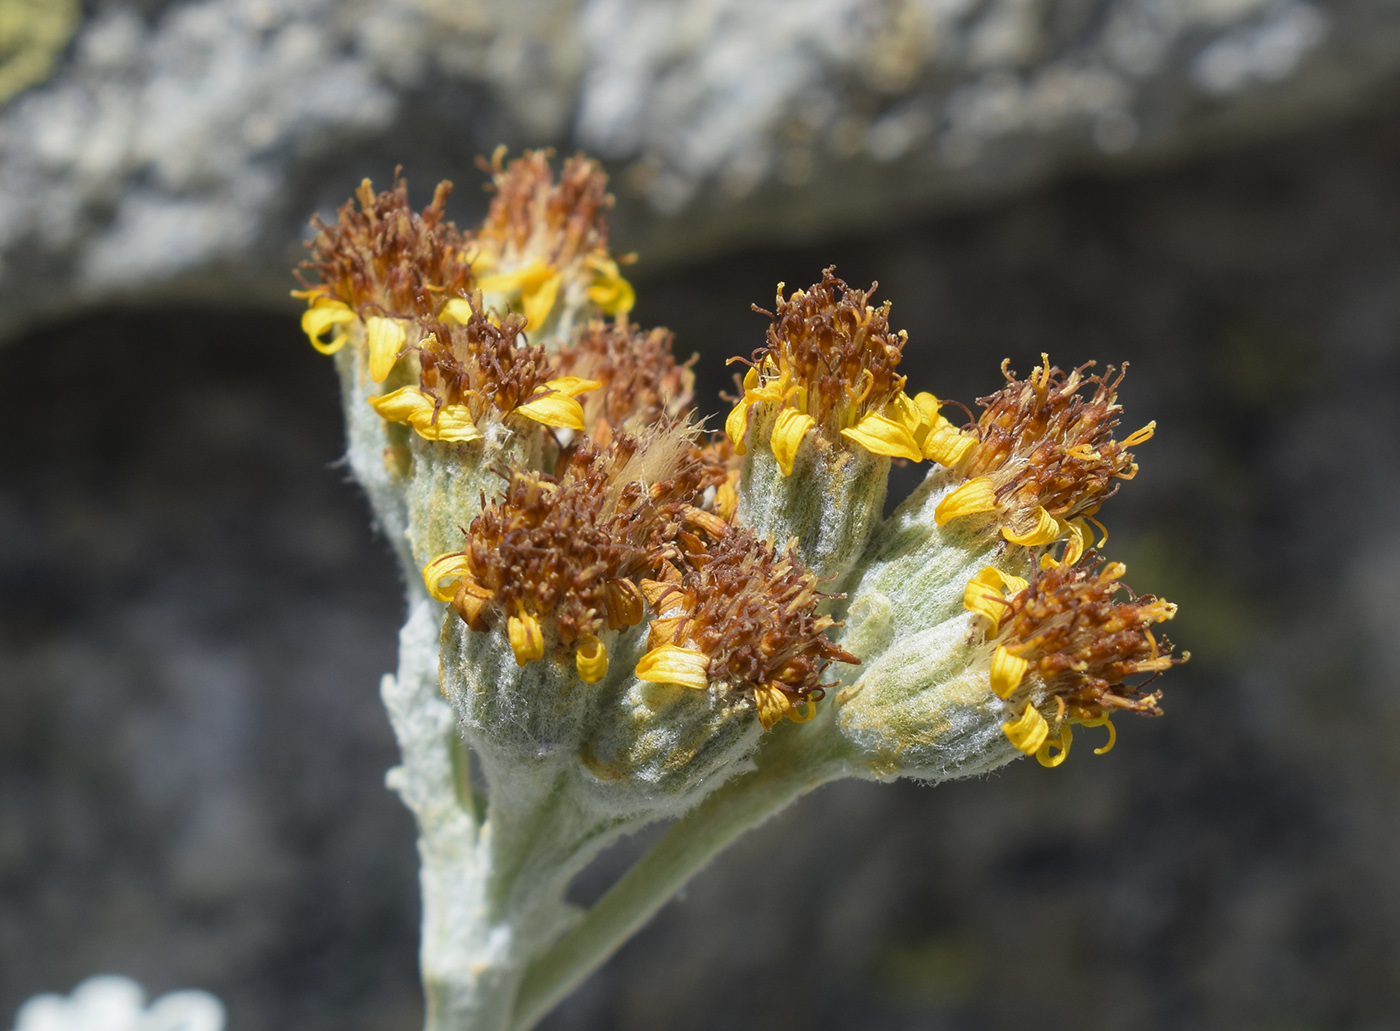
column 794, row 762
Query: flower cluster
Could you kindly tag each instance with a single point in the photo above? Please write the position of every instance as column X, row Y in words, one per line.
column 619, row 529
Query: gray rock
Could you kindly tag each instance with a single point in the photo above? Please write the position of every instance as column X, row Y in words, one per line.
column 178, row 149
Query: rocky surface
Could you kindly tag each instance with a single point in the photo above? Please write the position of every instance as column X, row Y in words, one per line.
column 180, row 145
column 195, row 616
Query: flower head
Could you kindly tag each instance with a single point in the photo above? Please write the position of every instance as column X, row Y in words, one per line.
column 829, row 366
column 1045, row 456
column 381, row 268
column 478, row 369
column 1063, row 641
column 560, row 557
column 383, row 258
column 641, row 382
column 543, row 239
column 742, row 617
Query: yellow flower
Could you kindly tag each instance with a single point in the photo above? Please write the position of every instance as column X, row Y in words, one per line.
column 773, row 704
column 1064, row 640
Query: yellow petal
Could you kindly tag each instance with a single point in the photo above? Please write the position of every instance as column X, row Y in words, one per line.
column 457, row 311
column 1081, row 539
column 984, row 593
column 928, row 406
column 386, row 338
column 611, row 293
column 788, row 432
column 670, row 664
column 737, row 424
column 526, row 638
column 573, row 386
column 403, row 405
column 453, row 423
column 947, row 445
column 591, row 659
column 442, row 567
column 1047, row 528
column 1029, row 732
column 315, row 321
column 972, row 497
column 554, row 410
column 904, row 411
column 884, row 437
column 1007, row 672
column 539, row 302
column 1042, row 754
column 773, row 703
column 529, row 277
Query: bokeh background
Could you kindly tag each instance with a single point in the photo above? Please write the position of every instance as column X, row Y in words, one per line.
column 195, row 611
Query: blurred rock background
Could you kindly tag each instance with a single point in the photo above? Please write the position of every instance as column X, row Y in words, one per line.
column 194, row 612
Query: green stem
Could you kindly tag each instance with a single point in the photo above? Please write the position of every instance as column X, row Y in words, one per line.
column 790, row 768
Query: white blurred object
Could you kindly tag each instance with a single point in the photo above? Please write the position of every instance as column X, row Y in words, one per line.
column 111, row 1003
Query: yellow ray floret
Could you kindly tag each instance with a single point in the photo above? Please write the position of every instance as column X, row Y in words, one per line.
column 537, row 285
column 445, row 567
column 386, row 338
column 1029, row 732
column 1047, row 528
column 418, row 409
column 560, row 408
column 327, row 315
column 973, row 497
column 591, row 659
column 884, row 436
column 1007, row 671
column 788, row 431
column 937, row 438
column 773, row 704
column 1045, row 757
column 612, row 294
column 986, row 594
column 671, row 664
column 1079, row 538
column 526, row 638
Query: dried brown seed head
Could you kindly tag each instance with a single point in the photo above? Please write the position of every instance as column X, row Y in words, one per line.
column 1081, row 646
column 381, row 258
column 751, row 611
column 1044, row 443
column 533, row 218
column 484, row 364
column 641, row 381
